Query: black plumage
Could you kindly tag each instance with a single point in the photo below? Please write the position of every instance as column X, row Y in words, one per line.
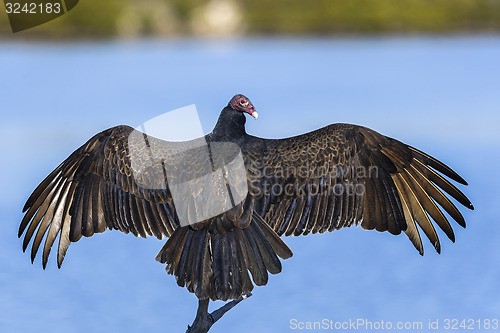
column 331, row 178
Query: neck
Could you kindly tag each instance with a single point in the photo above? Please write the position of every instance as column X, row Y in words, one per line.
column 231, row 125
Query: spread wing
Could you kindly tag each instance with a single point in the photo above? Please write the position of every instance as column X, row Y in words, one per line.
column 98, row 187
column 343, row 175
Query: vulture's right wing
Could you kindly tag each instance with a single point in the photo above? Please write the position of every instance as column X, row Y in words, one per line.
column 101, row 185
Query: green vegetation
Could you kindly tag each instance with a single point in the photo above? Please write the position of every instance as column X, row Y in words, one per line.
column 110, row 18
column 372, row 16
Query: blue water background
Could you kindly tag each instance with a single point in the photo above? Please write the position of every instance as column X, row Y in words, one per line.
column 440, row 94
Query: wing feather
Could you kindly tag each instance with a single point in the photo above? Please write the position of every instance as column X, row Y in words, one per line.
column 45, row 223
column 427, row 203
column 418, row 212
column 55, row 227
column 411, row 230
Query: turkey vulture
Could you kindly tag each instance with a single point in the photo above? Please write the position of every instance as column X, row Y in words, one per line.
column 335, row 177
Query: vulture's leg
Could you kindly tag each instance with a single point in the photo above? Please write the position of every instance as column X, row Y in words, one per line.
column 205, row 320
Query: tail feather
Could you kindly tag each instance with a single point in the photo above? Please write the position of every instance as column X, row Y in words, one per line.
column 244, row 261
column 182, row 266
column 203, row 281
column 171, row 251
column 220, row 262
column 255, row 262
column 214, row 264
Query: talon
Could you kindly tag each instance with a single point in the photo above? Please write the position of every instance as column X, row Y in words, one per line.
column 245, row 296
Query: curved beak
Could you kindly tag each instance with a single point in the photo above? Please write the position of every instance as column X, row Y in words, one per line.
column 253, row 113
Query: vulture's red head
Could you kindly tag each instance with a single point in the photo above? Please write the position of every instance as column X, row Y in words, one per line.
column 242, row 103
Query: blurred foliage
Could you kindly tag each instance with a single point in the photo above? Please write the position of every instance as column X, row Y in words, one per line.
column 372, row 16
column 127, row 18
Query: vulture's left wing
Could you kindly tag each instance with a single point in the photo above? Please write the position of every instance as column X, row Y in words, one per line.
column 344, row 174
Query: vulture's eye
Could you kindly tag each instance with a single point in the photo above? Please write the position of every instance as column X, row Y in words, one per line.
column 244, row 103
